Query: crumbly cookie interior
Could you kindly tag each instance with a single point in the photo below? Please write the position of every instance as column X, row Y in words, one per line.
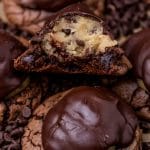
column 78, row 36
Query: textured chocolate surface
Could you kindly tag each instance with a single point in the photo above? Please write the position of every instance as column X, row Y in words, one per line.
column 68, row 41
column 81, row 120
column 10, row 48
column 137, row 48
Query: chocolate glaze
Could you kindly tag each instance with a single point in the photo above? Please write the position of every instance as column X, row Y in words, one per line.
column 10, row 48
column 137, row 48
column 49, row 5
column 88, row 118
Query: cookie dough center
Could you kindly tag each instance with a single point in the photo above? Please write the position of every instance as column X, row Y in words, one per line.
column 78, row 36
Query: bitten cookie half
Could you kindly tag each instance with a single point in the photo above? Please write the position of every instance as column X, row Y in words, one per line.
column 74, row 41
column 61, row 122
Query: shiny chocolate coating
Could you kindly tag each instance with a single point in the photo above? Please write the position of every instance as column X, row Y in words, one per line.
column 49, row 5
column 10, row 48
column 137, row 48
column 88, row 119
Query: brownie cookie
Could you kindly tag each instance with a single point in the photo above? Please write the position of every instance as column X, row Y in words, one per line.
column 65, row 114
column 137, row 48
column 126, row 17
column 30, row 15
column 68, row 41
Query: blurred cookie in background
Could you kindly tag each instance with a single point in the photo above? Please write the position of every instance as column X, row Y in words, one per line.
column 20, row 93
column 129, row 90
column 31, row 15
column 126, row 17
column 96, row 6
column 137, row 49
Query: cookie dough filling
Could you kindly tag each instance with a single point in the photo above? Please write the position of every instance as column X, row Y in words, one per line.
column 78, row 36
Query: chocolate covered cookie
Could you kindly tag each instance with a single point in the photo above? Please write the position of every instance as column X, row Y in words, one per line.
column 31, row 15
column 74, row 42
column 137, row 48
column 61, row 122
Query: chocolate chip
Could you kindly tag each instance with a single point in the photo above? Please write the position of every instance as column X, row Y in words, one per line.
column 53, row 60
column 7, row 137
column 66, row 31
column 9, row 128
column 80, row 43
column 17, row 132
column 29, row 59
column 26, row 112
column 22, row 121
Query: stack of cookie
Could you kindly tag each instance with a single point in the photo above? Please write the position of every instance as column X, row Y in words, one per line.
column 66, row 83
